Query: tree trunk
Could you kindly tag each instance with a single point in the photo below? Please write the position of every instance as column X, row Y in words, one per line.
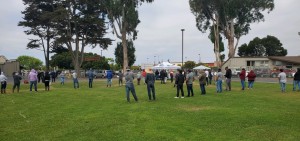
column 230, row 38
column 217, row 41
column 125, row 54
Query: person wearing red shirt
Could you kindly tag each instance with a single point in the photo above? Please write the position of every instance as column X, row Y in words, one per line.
column 243, row 77
column 251, row 77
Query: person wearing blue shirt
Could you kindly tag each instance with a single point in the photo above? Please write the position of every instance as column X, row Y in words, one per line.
column 91, row 77
column 109, row 77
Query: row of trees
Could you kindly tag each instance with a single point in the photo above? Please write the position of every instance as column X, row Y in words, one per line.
column 79, row 24
column 268, row 46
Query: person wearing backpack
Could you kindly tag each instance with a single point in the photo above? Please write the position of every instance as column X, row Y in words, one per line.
column 202, row 81
column 179, row 82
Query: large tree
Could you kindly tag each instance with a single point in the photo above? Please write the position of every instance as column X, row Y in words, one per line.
column 267, row 46
column 119, row 53
column 123, row 17
column 28, row 62
column 232, row 16
column 37, row 20
column 80, row 24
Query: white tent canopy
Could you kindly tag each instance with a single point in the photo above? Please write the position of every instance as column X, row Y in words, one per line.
column 201, row 67
column 165, row 66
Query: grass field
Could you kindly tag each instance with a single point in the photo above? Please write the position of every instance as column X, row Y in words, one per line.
column 100, row 113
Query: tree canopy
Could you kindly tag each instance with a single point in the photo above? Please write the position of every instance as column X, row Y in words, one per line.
column 232, row 16
column 123, row 17
column 119, row 53
column 28, row 62
column 267, row 46
column 37, row 19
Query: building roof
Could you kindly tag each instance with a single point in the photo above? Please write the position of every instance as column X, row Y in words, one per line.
column 290, row 59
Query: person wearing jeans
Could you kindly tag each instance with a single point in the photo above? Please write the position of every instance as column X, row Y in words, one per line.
column 243, row 77
column 251, row 77
column 33, row 79
column 282, row 80
column 129, row 85
column 202, row 81
column 219, row 80
column 75, row 80
column 297, row 80
column 150, row 80
column 189, row 83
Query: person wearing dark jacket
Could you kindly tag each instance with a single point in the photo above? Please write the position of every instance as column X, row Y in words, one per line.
column 47, row 81
column 228, row 76
column 150, row 80
column 179, row 82
column 251, row 77
column 17, row 82
column 297, row 80
column 243, row 77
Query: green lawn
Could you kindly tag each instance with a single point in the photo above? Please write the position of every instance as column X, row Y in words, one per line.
column 101, row 113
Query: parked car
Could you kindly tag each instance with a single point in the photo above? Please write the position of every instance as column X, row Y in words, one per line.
column 289, row 72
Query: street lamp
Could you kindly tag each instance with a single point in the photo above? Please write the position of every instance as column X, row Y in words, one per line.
column 199, row 58
column 154, row 60
column 182, row 49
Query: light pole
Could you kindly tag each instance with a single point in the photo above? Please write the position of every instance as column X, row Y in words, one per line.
column 182, row 49
column 154, row 60
column 199, row 58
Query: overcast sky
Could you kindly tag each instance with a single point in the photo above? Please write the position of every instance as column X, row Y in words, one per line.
column 160, row 32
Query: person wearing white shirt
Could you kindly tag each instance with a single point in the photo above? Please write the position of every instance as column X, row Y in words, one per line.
column 282, row 80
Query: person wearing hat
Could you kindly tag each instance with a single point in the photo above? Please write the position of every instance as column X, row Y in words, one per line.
column 129, row 84
column 150, row 80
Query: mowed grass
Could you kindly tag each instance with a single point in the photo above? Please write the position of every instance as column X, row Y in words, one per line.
column 101, row 113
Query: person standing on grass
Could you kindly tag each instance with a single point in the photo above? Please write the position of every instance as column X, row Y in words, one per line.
column 75, row 80
column 228, row 76
column 32, row 77
column 62, row 78
column 144, row 73
column 179, row 82
column 219, row 79
column 282, row 80
column 202, row 81
column 91, row 77
column 120, row 75
column 53, row 76
column 129, row 76
column 251, row 77
column 47, row 81
column 3, row 80
column 17, row 82
column 189, row 83
column 171, row 76
column 109, row 76
column 243, row 77
column 206, row 72
column 210, row 76
column 138, row 77
column 296, row 80
column 150, row 80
